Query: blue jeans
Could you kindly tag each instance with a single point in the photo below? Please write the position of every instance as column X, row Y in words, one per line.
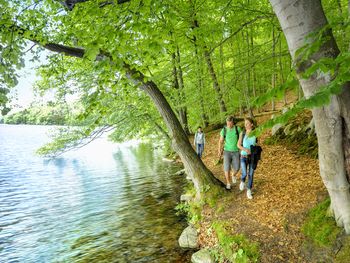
column 200, row 149
column 245, row 164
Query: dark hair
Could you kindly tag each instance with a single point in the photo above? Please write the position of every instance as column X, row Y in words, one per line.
column 199, row 127
column 252, row 121
column 231, row 119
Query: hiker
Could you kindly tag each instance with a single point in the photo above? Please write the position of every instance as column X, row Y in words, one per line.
column 245, row 144
column 228, row 146
column 199, row 141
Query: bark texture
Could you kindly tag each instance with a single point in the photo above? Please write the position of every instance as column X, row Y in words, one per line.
column 201, row 176
column 298, row 19
column 216, row 85
column 179, row 86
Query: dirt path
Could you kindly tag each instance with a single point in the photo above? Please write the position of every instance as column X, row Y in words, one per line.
column 286, row 186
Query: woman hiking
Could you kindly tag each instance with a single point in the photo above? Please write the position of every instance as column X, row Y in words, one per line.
column 244, row 144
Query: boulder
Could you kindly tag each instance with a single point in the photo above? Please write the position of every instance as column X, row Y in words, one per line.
column 181, row 172
column 202, row 256
column 275, row 128
column 284, row 110
column 188, row 238
column 288, row 129
column 186, row 197
column 168, row 160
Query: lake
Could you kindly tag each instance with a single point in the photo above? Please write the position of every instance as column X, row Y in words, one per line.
column 101, row 203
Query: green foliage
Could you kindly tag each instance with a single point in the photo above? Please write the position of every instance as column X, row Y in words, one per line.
column 277, row 92
column 41, row 114
column 245, row 45
column 145, row 35
column 233, row 248
column 191, row 209
column 319, row 227
column 62, row 140
column 320, row 98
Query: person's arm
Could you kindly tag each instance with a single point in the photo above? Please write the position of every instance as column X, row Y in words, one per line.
column 240, row 144
column 194, row 139
column 220, row 146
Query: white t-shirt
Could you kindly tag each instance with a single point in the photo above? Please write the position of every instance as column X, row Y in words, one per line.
column 199, row 138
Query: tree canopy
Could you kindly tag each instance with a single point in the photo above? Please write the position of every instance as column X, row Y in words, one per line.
column 160, row 67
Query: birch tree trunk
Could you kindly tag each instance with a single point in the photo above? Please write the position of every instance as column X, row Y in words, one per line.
column 298, row 19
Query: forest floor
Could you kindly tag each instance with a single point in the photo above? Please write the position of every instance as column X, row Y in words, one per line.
column 286, row 187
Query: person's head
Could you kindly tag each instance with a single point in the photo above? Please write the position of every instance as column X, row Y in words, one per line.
column 199, row 129
column 230, row 121
column 249, row 123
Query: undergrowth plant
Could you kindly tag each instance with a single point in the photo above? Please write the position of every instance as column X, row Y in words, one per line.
column 192, row 210
column 233, row 248
column 319, row 227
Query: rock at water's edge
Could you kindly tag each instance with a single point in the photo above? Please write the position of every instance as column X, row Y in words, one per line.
column 188, row 238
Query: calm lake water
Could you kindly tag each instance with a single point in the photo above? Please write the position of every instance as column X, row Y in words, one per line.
column 102, row 203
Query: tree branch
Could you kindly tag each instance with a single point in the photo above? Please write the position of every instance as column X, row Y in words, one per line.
column 70, row 4
column 236, row 32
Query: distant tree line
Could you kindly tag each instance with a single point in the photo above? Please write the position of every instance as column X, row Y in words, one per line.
column 49, row 114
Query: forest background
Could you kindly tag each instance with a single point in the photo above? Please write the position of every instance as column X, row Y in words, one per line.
column 163, row 68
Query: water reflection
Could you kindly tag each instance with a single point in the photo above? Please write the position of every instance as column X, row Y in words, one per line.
column 115, row 205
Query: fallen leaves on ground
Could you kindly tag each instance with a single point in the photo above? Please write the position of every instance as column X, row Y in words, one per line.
column 285, row 187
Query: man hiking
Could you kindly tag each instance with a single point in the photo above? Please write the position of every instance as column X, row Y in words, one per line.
column 228, row 146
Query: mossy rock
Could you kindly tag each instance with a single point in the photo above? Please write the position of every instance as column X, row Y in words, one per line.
column 343, row 255
column 295, row 136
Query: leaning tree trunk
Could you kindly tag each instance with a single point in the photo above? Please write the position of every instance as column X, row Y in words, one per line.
column 199, row 173
column 298, row 19
column 201, row 176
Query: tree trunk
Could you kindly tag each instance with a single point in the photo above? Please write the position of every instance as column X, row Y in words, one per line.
column 216, row 85
column 298, row 19
column 178, row 85
column 222, row 59
column 285, row 102
column 273, row 79
column 248, row 83
column 201, row 176
column 182, row 109
column 195, row 24
column 253, row 69
column 204, row 115
column 300, row 92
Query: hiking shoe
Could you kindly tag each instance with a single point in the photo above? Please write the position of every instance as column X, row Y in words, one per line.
column 241, row 186
column 228, row 186
column 234, row 179
column 249, row 194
